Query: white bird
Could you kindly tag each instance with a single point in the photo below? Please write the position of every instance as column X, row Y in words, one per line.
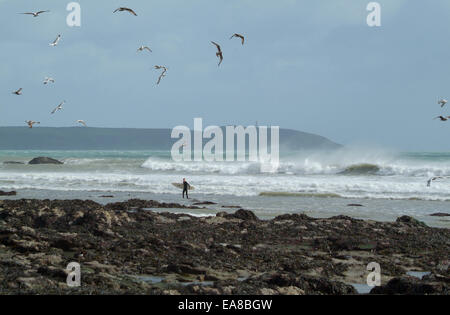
column 121, row 9
column 59, row 107
column 144, row 47
column 35, row 14
column 239, row 36
column 30, row 123
column 56, row 41
column 163, row 73
column 82, row 122
column 435, row 178
column 47, row 80
column 442, row 102
column 18, row 92
column 442, row 118
column 219, row 53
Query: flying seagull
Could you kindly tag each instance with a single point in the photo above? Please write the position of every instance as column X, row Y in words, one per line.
column 18, row 92
column 219, row 53
column 30, row 123
column 442, row 102
column 82, row 122
column 239, row 36
column 442, row 118
column 144, row 47
column 59, row 107
column 435, row 178
column 56, row 41
column 35, row 14
column 125, row 9
column 163, row 73
column 48, row 80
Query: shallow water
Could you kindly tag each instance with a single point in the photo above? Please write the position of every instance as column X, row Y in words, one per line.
column 269, row 207
column 418, row 274
column 361, row 288
column 388, row 185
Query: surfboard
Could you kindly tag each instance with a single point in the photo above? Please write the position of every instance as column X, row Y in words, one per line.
column 180, row 185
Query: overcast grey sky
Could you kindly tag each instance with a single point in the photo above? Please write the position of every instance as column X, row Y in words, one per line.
column 310, row 65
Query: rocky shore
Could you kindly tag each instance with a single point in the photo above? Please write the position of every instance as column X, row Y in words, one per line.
column 124, row 248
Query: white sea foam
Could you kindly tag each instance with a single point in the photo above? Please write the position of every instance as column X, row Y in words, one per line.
column 348, row 174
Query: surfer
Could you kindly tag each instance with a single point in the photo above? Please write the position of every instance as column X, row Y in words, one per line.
column 185, row 188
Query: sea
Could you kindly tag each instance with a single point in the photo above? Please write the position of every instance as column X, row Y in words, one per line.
column 385, row 184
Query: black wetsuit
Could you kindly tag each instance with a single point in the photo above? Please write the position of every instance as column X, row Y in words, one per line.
column 185, row 189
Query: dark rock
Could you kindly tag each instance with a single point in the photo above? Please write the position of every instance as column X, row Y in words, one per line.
column 13, row 163
column 440, row 215
column 310, row 284
column 410, row 221
column 245, row 215
column 53, row 272
column 7, row 193
column 44, row 160
column 409, row 286
column 354, row 205
column 291, row 254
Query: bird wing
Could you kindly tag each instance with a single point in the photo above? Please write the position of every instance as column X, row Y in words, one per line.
column 148, row 48
column 39, row 12
column 240, row 36
column 131, row 11
column 217, row 45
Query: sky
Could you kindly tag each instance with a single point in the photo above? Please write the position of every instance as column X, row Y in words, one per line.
column 312, row 65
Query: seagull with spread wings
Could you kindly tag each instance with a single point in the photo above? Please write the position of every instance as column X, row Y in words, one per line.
column 30, row 123
column 121, row 9
column 82, row 122
column 442, row 102
column 442, row 118
column 142, row 48
column 238, row 36
column 35, row 14
column 59, row 107
column 163, row 73
column 56, row 41
column 18, row 92
column 435, row 178
column 219, row 53
column 47, row 80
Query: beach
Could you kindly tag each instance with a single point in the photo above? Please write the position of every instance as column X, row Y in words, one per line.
column 126, row 248
column 319, row 184
column 308, row 231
